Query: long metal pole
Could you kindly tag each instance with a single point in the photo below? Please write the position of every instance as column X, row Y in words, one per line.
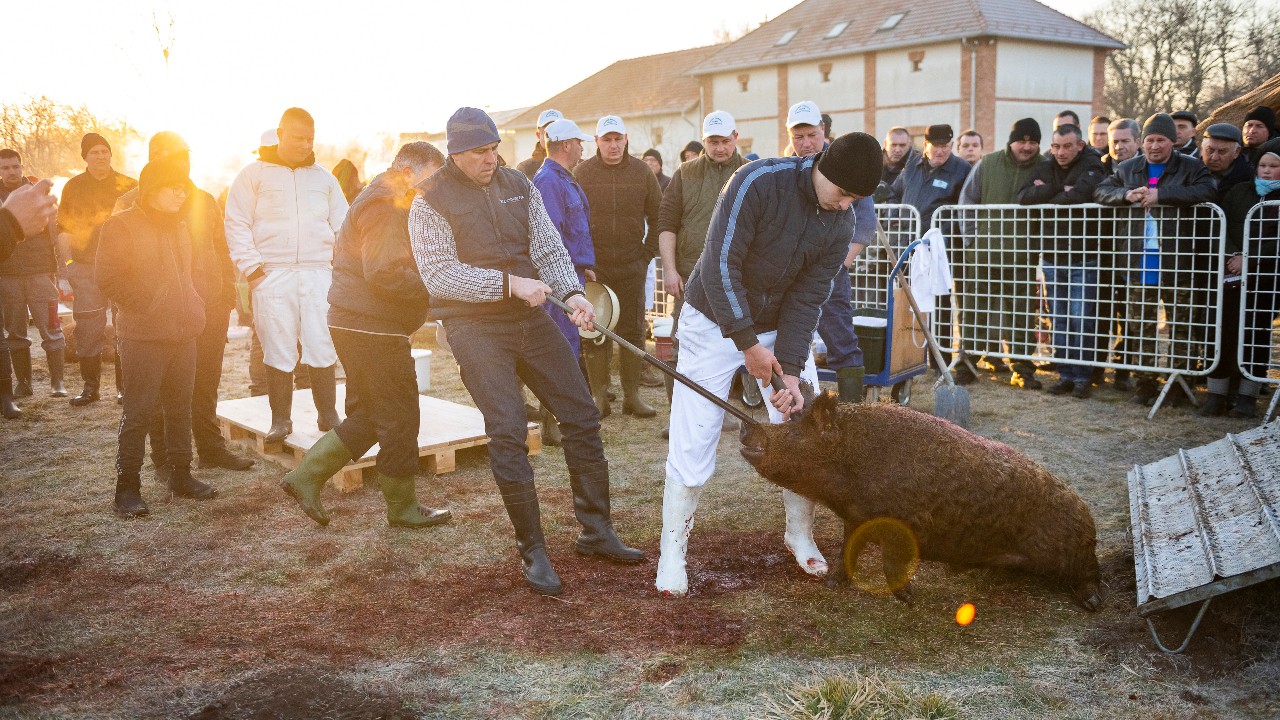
column 670, row 370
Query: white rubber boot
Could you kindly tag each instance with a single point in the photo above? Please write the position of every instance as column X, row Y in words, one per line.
column 678, row 505
column 799, row 535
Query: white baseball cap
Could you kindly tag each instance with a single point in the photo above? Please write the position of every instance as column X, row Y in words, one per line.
column 610, row 123
column 804, row 112
column 560, row 130
column 269, row 138
column 549, row 115
column 718, row 123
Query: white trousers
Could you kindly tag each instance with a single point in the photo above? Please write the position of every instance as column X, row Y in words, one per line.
column 709, row 359
column 291, row 308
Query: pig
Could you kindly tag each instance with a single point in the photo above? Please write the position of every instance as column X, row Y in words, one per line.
column 969, row 501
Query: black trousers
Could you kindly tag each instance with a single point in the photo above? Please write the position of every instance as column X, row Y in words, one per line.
column 159, row 377
column 382, row 399
column 627, row 282
column 210, row 346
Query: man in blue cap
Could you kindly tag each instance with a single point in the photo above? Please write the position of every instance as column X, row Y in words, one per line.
column 489, row 255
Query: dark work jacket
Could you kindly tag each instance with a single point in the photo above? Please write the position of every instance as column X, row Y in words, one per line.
column 35, row 256
column 1239, row 172
column 530, row 166
column 1068, row 239
column 86, row 204
column 376, row 286
column 770, row 256
column 927, row 188
column 889, row 174
column 1185, row 182
column 1266, row 226
column 624, row 199
column 11, row 234
column 490, row 229
column 144, row 266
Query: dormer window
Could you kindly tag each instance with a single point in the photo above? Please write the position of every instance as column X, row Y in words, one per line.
column 836, row 29
column 891, row 22
column 786, row 37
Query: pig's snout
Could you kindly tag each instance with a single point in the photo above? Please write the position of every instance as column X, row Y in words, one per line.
column 754, row 442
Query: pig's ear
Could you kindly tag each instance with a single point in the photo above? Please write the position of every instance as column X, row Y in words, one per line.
column 820, row 415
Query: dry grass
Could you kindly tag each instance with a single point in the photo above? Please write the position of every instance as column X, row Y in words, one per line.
column 854, row 696
column 214, row 609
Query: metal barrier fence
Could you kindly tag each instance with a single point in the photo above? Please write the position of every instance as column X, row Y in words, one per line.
column 1257, row 350
column 1127, row 288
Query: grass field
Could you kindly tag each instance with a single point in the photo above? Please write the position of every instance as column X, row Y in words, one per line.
column 242, row 607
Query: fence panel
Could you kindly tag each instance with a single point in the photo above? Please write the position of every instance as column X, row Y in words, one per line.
column 1258, row 349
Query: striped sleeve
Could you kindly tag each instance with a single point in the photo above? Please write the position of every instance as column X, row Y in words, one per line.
column 436, row 255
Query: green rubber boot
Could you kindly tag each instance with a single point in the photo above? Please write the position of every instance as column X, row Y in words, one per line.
column 403, row 509
column 306, row 482
column 849, row 382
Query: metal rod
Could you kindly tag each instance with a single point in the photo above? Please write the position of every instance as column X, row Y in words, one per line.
column 675, row 374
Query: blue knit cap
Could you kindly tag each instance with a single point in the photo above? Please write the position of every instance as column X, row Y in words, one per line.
column 468, row 129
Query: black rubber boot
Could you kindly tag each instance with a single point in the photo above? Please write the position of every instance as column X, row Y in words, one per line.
column 57, row 366
column 222, row 457
column 1145, row 392
column 550, row 428
column 128, row 501
column 629, row 375
column 591, row 506
column 1024, row 376
column 280, row 396
column 521, row 501
column 324, row 392
column 21, row 372
column 185, row 486
column 119, row 379
column 1246, row 407
column 1214, row 406
column 1122, row 381
column 596, row 361
column 91, row 373
column 849, row 383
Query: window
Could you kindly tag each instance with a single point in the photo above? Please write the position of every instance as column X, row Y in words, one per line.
column 916, row 57
column 743, row 80
column 825, row 70
column 836, row 29
column 891, row 22
column 786, row 37
column 656, row 136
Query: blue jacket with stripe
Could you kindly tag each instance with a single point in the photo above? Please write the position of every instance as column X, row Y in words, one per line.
column 770, row 257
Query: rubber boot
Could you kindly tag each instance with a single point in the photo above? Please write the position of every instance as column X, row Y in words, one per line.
column 1122, row 381
column 679, row 503
column 128, row 501
column 591, row 507
column 799, row 535
column 280, row 395
column 57, row 371
column 185, row 486
column 21, row 371
column 629, row 375
column 1214, row 406
column 597, row 362
column 521, row 501
column 306, row 482
column 403, row 509
column 8, row 409
column 119, row 380
column 550, row 429
column 324, row 392
column 849, row 382
column 649, row 377
column 91, row 373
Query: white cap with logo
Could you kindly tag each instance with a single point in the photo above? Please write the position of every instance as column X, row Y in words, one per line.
column 549, row 115
column 560, row 130
column 804, row 112
column 610, row 123
column 718, row 123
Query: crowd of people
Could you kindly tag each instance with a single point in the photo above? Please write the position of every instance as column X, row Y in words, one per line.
column 755, row 252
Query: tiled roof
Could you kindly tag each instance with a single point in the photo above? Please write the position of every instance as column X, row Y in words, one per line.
column 923, row 21
column 650, row 85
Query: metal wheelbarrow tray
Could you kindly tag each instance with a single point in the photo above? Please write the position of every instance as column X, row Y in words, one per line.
column 1205, row 522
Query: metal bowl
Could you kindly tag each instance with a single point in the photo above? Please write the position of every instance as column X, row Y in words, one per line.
column 605, row 302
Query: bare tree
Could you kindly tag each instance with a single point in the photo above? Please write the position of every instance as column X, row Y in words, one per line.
column 47, row 134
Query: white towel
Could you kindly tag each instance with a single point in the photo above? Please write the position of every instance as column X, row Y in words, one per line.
column 930, row 270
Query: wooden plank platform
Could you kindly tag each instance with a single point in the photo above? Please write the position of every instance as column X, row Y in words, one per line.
column 445, row 428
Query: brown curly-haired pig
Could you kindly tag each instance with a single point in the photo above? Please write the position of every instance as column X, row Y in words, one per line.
column 969, row 501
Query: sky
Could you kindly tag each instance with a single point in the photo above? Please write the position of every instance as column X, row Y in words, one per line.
column 361, row 68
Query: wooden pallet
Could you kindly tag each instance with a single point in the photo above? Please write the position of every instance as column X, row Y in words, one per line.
column 445, row 428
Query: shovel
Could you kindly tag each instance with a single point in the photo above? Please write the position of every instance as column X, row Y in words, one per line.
column 675, row 374
column 950, row 402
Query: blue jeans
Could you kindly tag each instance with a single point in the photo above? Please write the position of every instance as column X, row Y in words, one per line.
column 835, row 325
column 492, row 354
column 1073, row 296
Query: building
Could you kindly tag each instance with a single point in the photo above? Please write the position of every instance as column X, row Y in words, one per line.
column 654, row 96
column 881, row 63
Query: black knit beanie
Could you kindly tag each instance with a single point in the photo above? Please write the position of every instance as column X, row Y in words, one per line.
column 653, row 154
column 1160, row 124
column 692, row 146
column 1264, row 115
column 91, row 141
column 164, row 172
column 1024, row 129
column 854, row 162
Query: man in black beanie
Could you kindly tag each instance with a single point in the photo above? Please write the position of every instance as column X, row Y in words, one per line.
column 87, row 201
column 1001, row 296
column 779, row 233
column 1259, row 127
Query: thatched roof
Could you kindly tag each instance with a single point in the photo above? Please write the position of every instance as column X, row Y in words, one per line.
column 1268, row 93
